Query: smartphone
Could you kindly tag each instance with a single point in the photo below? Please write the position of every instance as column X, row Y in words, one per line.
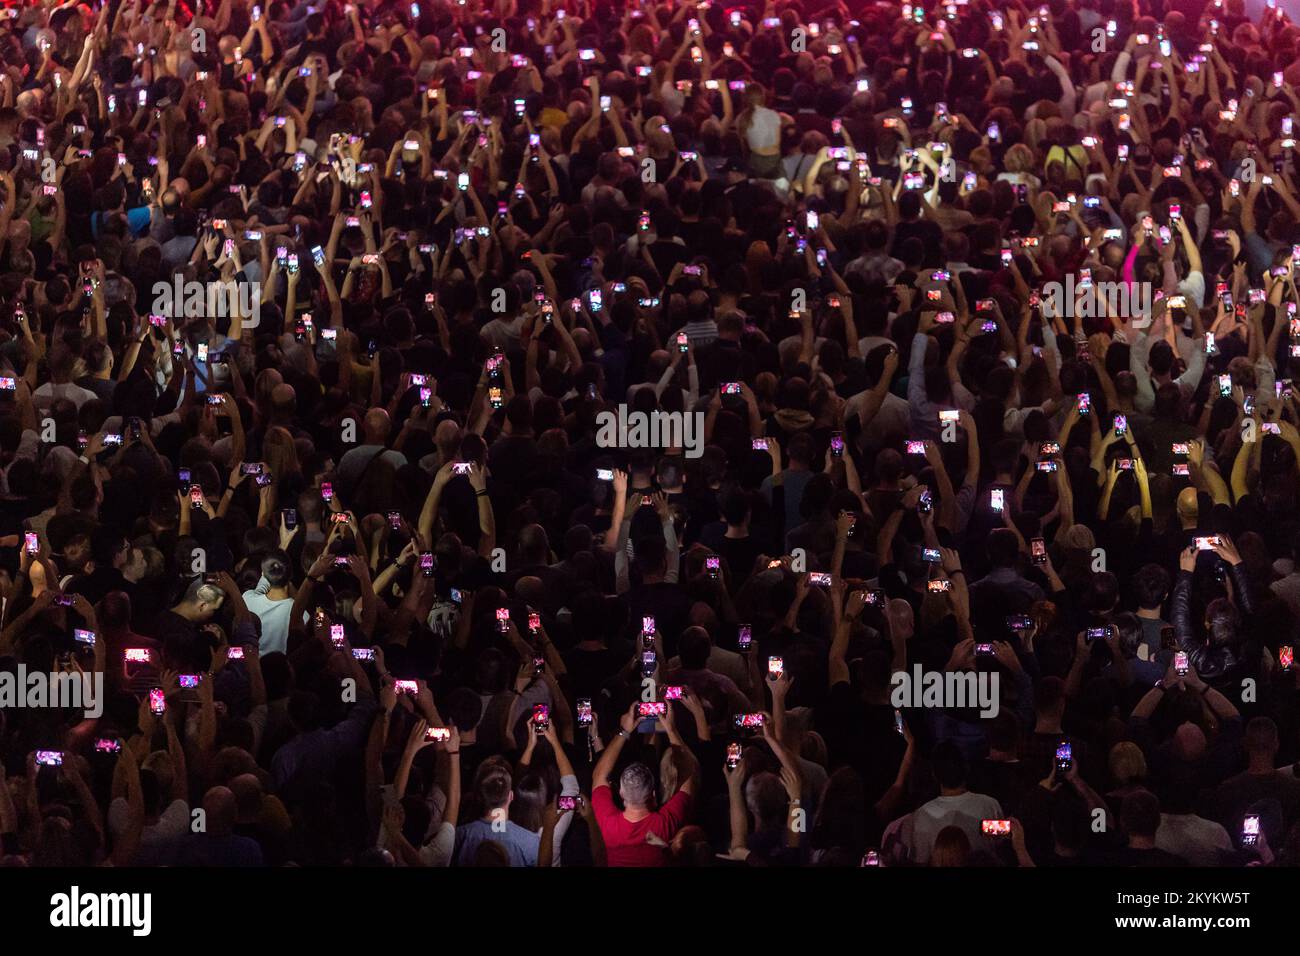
column 1206, row 542
column 49, row 758
column 1064, row 757
column 428, row 566
column 775, row 666
column 1019, row 622
column 108, row 745
column 712, row 564
column 996, row 828
column 733, row 756
column 406, row 687
column 1250, row 830
column 584, row 711
column 997, row 500
column 31, row 542
column 1038, row 551
column 541, row 719
column 1181, row 666
column 437, row 734
column 745, row 636
column 82, row 636
column 157, row 701
column 1286, row 657
column 837, row 444
column 648, row 624
column 938, row 586
column 819, row 579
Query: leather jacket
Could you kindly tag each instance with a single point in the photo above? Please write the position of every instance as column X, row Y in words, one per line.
column 1212, row 662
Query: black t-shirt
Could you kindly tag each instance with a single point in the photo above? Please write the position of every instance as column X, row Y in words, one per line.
column 669, row 604
column 185, row 646
column 862, row 736
column 588, row 671
column 1131, row 857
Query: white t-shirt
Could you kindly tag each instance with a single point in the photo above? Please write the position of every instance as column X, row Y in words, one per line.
column 173, row 822
column 49, row 393
column 1195, row 839
column 274, row 615
column 965, row 811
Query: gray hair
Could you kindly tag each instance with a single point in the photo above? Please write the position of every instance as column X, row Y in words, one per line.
column 636, row 785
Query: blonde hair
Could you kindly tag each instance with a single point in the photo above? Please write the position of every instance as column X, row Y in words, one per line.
column 951, row 848
column 280, row 452
column 1127, row 765
column 1018, row 159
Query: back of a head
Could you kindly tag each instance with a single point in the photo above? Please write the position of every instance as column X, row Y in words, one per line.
column 1150, row 586
column 1139, row 814
column 275, row 568
column 1261, row 737
column 494, row 789
column 949, row 765
column 951, row 845
column 695, row 648
column 1050, row 695
column 636, row 785
column 1004, row 547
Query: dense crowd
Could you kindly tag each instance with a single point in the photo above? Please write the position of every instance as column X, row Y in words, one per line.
column 311, row 317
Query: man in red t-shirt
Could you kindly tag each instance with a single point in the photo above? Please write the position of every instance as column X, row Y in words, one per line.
column 625, row 832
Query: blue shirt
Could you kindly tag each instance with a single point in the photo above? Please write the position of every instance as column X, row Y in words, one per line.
column 138, row 221
column 521, row 845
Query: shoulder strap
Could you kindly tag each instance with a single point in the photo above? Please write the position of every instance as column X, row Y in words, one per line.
column 361, row 475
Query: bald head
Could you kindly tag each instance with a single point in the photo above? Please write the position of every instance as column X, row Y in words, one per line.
column 284, row 400
column 447, row 438
column 248, row 797
column 530, row 589
column 703, row 615
column 219, row 805
column 377, row 426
